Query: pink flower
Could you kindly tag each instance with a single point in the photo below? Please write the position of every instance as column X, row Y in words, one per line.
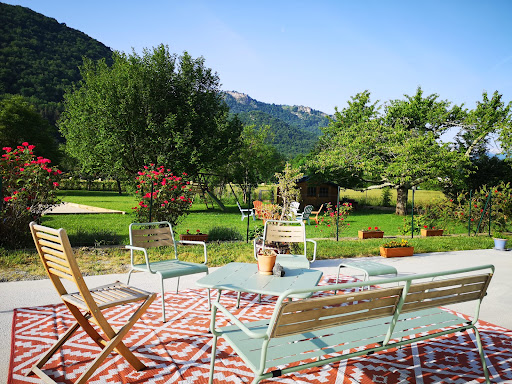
column 25, row 144
column 55, row 184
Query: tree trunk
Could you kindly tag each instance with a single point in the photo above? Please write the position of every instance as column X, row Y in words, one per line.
column 119, row 186
column 401, row 200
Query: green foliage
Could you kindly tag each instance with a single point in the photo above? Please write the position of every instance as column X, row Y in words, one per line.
column 396, row 244
column 289, row 140
column 163, row 196
column 400, row 149
column 331, row 215
column 386, row 197
column 498, row 207
column 20, row 122
column 288, row 190
column 40, row 57
column 156, row 108
column 27, row 188
column 224, row 234
column 254, row 161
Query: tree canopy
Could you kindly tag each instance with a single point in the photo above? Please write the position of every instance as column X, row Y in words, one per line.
column 156, row 108
column 20, row 122
column 399, row 148
column 255, row 160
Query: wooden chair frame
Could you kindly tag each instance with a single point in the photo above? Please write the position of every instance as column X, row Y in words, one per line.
column 85, row 305
column 160, row 234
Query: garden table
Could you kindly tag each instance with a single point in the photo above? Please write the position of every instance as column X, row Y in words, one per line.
column 244, row 277
column 369, row 268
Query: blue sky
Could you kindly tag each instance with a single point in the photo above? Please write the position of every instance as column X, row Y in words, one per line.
column 316, row 53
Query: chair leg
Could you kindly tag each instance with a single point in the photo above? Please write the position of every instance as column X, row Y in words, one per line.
column 238, row 294
column 163, row 301
column 212, row 359
column 129, row 275
column 178, row 285
column 482, row 355
column 42, row 361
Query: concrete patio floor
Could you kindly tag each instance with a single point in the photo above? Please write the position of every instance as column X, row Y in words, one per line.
column 496, row 307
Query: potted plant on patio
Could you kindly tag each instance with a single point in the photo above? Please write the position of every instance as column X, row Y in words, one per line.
column 430, row 230
column 198, row 236
column 370, row 233
column 396, row 248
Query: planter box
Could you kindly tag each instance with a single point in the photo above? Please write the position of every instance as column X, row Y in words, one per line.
column 370, row 234
column 396, row 252
column 202, row 237
column 432, row 232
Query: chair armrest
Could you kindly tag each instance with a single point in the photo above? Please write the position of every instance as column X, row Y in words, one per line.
column 141, row 249
column 197, row 243
column 238, row 323
column 314, row 248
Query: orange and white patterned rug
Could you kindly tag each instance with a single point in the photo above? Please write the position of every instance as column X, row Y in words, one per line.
column 179, row 350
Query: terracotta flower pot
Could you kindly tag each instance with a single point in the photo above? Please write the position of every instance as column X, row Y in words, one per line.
column 192, row 237
column 370, row 234
column 432, row 232
column 266, row 263
column 396, row 252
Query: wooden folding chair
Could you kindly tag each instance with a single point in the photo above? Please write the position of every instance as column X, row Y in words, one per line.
column 85, row 305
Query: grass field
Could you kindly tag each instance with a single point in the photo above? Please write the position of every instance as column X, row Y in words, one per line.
column 93, row 234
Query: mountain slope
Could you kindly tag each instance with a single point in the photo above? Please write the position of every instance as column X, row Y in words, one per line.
column 39, row 57
column 290, row 141
column 304, row 118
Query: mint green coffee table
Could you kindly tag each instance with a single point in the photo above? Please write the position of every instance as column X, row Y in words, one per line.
column 244, row 277
column 369, row 268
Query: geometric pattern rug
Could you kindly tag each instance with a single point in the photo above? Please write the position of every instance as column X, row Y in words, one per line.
column 179, row 350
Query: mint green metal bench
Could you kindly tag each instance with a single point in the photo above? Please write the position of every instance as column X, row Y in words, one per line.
column 159, row 234
column 354, row 324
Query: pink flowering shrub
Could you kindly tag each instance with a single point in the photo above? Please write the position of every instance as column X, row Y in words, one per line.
column 29, row 186
column 330, row 216
column 169, row 195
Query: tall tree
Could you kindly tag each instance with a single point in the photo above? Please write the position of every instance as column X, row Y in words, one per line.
column 156, row 108
column 20, row 122
column 255, row 161
column 399, row 149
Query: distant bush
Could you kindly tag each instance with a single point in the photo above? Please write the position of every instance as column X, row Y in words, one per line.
column 224, row 234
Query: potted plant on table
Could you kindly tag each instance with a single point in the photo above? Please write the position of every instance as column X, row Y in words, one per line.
column 396, row 248
column 198, row 236
column 266, row 261
column 370, row 233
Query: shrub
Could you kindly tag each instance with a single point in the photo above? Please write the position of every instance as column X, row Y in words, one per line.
column 330, row 215
column 224, row 234
column 28, row 189
column 162, row 195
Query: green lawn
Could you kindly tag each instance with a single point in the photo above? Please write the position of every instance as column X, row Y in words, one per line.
column 98, row 230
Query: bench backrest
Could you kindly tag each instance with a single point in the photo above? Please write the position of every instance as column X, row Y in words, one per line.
column 307, row 315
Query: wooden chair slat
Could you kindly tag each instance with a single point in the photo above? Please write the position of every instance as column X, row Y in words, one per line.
column 63, row 268
column 64, row 275
column 150, row 231
column 51, row 244
column 56, row 253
